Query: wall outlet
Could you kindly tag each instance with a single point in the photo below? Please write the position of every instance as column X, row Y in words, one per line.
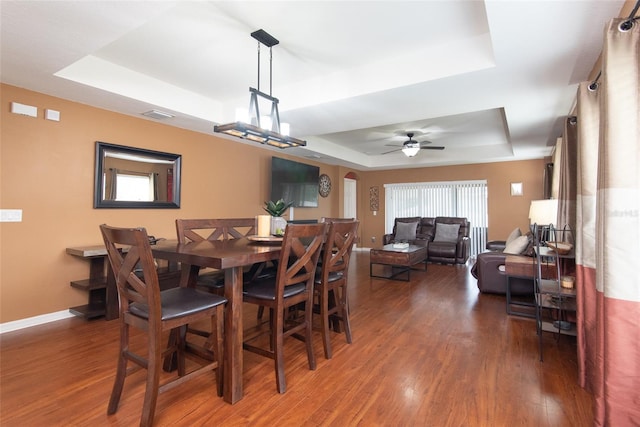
column 373, row 239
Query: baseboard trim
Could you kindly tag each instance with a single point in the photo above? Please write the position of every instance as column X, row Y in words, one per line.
column 34, row 321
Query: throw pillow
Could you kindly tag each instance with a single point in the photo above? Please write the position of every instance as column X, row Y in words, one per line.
column 518, row 246
column 446, row 233
column 406, row 231
column 514, row 235
column 529, row 250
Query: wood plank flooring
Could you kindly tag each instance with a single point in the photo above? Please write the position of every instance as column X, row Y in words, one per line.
column 429, row 352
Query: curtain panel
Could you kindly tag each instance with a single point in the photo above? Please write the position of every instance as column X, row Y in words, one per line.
column 608, row 231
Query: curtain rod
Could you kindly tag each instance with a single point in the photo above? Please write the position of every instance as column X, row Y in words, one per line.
column 624, row 26
column 633, row 12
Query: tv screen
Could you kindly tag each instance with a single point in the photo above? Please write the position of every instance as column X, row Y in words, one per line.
column 294, row 182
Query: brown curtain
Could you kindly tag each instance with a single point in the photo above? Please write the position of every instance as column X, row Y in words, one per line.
column 608, row 231
column 566, row 222
column 112, row 187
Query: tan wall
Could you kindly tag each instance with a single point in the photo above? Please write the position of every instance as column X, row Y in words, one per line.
column 47, row 170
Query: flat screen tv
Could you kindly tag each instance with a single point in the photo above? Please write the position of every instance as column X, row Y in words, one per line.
column 294, row 182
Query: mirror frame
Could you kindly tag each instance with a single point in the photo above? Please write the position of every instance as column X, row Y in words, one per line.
column 98, row 196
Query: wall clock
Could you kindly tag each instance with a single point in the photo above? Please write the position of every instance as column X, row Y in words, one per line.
column 324, row 185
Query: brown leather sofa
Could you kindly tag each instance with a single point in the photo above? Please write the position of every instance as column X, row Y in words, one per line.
column 491, row 269
column 443, row 245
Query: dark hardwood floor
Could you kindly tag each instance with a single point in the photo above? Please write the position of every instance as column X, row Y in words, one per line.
column 432, row 351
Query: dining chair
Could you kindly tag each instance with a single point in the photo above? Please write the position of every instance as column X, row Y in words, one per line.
column 142, row 305
column 195, row 230
column 292, row 285
column 332, row 279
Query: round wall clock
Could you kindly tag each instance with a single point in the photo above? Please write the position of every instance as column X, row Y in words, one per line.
column 324, row 185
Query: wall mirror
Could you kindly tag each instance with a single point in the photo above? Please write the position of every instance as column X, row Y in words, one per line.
column 128, row 177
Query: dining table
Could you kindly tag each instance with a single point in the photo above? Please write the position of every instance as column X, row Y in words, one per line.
column 231, row 256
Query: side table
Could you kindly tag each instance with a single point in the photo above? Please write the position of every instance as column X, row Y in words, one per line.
column 523, row 268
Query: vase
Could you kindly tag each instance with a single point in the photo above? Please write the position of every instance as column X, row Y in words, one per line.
column 278, row 224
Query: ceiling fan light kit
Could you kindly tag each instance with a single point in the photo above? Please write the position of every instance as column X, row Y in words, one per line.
column 253, row 131
column 411, row 149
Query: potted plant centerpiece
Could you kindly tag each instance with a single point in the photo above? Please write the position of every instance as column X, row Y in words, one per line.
column 276, row 210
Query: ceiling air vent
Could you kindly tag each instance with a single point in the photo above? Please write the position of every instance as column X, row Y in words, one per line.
column 158, row 115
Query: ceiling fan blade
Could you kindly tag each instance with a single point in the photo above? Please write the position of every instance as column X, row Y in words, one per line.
column 392, row 145
column 429, row 147
column 392, row 151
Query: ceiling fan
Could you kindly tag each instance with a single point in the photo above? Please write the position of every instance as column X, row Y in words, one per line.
column 411, row 147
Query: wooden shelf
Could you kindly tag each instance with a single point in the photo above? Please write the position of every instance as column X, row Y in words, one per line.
column 88, row 311
column 90, row 284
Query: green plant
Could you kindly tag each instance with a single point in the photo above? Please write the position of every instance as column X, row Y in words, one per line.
column 278, row 208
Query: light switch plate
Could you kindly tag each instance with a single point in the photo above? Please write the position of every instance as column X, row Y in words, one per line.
column 10, row 215
column 52, row 115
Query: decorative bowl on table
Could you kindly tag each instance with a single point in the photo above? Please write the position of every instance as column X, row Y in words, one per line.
column 561, row 248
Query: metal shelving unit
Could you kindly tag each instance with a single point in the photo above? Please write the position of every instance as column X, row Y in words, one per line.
column 553, row 302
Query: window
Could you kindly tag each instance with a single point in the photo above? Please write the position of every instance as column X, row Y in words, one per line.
column 137, row 188
column 467, row 199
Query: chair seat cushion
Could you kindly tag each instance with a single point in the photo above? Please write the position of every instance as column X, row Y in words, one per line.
column 178, row 302
column 442, row 249
column 333, row 276
column 266, row 289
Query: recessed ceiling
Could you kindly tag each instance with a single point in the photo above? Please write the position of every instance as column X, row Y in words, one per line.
column 490, row 81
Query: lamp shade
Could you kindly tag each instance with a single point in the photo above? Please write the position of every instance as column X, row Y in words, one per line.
column 543, row 212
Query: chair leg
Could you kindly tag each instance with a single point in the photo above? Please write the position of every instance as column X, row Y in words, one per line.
column 153, row 379
column 277, row 338
column 308, row 319
column 121, row 372
column 324, row 323
column 180, row 345
column 344, row 305
column 272, row 322
column 217, row 330
column 334, row 323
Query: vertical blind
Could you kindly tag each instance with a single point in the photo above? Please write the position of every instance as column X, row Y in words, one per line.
column 467, row 199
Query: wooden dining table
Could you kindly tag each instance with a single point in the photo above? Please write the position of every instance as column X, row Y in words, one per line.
column 231, row 256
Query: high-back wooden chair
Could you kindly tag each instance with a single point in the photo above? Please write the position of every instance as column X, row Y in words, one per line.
column 332, row 279
column 142, row 305
column 292, row 285
column 195, row 230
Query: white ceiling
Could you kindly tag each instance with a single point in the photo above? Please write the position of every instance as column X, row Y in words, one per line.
column 488, row 80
